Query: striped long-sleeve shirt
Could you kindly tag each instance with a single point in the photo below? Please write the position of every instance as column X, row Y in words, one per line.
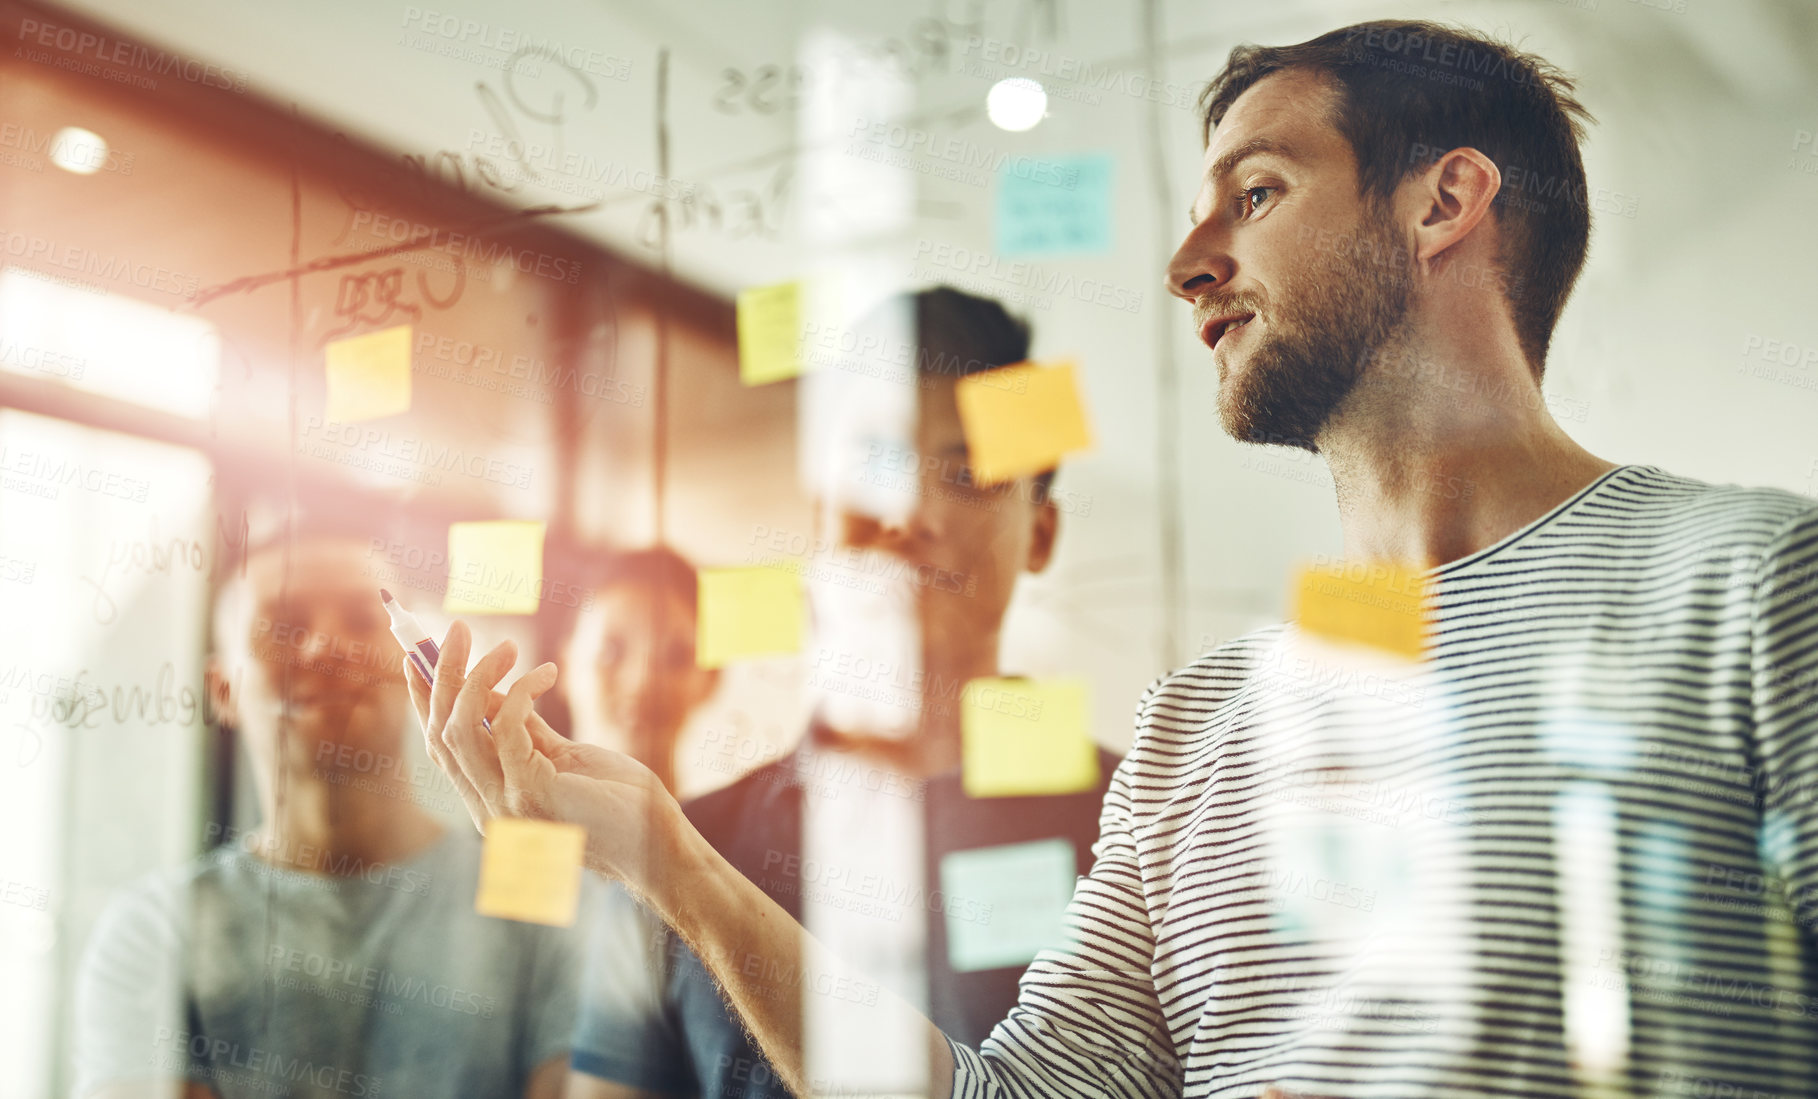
column 1573, row 852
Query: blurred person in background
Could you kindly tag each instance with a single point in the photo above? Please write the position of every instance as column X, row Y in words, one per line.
column 648, row 679
column 333, row 949
column 865, row 770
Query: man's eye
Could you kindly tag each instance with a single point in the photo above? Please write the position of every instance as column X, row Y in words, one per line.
column 1247, row 202
column 968, row 479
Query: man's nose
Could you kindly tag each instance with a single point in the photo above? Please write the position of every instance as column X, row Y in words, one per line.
column 634, row 678
column 902, row 536
column 317, row 641
column 1199, row 264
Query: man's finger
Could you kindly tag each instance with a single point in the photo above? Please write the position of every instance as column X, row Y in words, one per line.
column 467, row 739
column 546, row 739
column 528, row 688
column 450, row 677
column 433, row 713
column 451, row 668
column 419, row 697
column 542, row 734
column 522, row 767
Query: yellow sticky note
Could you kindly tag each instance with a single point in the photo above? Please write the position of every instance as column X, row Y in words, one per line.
column 747, row 612
column 1022, row 737
column 1379, row 605
column 494, row 567
column 1021, row 419
column 369, row 375
column 770, row 332
column 531, row 870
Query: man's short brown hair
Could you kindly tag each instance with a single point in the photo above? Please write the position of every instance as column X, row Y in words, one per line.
column 1409, row 91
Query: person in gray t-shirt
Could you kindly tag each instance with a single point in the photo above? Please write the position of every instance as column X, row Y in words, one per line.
column 334, row 950
column 368, row 984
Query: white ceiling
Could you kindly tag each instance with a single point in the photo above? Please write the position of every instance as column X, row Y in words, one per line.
column 348, row 62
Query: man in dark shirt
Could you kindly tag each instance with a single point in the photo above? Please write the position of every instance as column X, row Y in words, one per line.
column 880, row 764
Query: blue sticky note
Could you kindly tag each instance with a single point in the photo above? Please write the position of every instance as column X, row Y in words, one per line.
column 1061, row 211
column 1006, row 904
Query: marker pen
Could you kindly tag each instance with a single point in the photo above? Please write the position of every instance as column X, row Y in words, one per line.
column 419, row 648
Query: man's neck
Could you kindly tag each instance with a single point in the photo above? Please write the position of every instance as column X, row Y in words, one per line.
column 319, row 824
column 1435, row 463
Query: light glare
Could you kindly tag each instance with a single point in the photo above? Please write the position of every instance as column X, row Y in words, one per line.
column 77, row 150
column 1016, row 104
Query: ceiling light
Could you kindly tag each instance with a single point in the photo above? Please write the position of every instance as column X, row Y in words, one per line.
column 1016, row 104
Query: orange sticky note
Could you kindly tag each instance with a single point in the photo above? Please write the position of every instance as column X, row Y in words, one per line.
column 770, row 332
column 1375, row 604
column 746, row 612
column 530, row 870
column 1022, row 737
column 494, row 567
column 1021, row 419
column 369, row 375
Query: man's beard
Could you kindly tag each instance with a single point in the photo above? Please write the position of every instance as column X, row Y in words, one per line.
column 1307, row 362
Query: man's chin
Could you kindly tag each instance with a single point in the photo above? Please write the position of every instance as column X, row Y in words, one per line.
column 1273, row 400
column 1237, row 404
column 367, row 727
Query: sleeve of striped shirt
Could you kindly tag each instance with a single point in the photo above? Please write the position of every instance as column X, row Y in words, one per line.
column 1785, row 689
column 1087, row 1022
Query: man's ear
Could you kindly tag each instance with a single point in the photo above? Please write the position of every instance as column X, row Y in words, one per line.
column 1041, row 541
column 1455, row 194
column 221, row 694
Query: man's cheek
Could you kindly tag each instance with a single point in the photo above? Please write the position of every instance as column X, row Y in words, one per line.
column 269, row 655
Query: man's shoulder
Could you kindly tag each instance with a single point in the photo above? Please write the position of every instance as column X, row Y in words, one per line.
column 1739, row 532
column 1695, row 509
column 152, row 912
column 722, row 812
column 171, row 888
column 1211, row 678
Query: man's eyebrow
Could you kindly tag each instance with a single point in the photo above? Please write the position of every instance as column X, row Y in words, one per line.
column 1232, row 157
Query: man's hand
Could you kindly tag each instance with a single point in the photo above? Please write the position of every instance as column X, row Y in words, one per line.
column 523, row 768
column 636, row 832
